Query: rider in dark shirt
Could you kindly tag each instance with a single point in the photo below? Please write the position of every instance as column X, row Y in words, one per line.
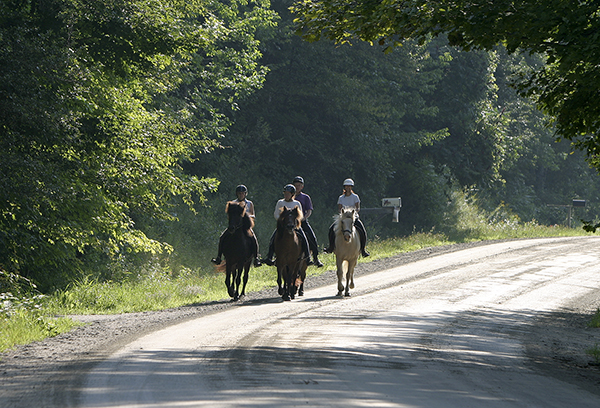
column 307, row 208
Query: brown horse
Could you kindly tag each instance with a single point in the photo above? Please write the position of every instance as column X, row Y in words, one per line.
column 291, row 260
column 238, row 248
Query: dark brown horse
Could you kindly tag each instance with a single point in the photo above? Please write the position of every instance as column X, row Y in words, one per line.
column 238, row 248
column 291, row 260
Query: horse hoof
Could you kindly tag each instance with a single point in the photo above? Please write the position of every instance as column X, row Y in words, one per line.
column 280, row 291
column 347, row 294
column 301, row 293
column 340, row 293
column 286, row 297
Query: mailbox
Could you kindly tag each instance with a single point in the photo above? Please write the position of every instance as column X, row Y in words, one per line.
column 395, row 203
column 391, row 202
column 578, row 203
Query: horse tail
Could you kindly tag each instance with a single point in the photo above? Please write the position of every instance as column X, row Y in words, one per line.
column 221, row 267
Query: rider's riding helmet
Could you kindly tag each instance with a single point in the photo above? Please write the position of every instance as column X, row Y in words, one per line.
column 349, row 182
column 241, row 189
column 290, row 188
column 298, row 179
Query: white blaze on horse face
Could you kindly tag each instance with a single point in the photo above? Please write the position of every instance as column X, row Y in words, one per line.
column 347, row 224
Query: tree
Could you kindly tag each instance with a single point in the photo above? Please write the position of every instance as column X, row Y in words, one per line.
column 566, row 34
column 100, row 103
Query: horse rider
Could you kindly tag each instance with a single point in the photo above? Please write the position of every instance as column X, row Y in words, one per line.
column 349, row 199
column 287, row 201
column 307, row 208
column 241, row 193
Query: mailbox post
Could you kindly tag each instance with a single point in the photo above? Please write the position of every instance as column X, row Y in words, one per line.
column 574, row 203
column 388, row 205
column 396, row 204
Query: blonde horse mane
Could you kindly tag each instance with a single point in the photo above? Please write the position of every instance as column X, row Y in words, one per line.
column 346, row 212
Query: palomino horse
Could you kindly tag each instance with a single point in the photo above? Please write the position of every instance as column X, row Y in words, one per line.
column 238, row 248
column 290, row 258
column 347, row 248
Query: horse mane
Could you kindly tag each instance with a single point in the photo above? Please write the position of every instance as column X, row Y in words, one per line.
column 247, row 221
column 346, row 212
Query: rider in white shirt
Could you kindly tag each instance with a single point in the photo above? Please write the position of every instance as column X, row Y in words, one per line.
column 349, row 199
column 288, row 202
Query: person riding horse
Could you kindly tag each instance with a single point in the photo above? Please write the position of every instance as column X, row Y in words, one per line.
column 241, row 192
column 288, row 201
column 307, row 209
column 349, row 199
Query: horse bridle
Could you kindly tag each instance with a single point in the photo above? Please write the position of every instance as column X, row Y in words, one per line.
column 238, row 226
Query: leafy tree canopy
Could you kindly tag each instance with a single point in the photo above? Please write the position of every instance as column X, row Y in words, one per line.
column 566, row 33
column 100, row 102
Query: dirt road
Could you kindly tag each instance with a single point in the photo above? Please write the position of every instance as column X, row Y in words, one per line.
column 497, row 325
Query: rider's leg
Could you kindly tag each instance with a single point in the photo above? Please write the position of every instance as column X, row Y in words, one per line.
column 217, row 260
column 331, row 236
column 255, row 250
column 269, row 259
column 363, row 236
column 304, row 243
column 312, row 242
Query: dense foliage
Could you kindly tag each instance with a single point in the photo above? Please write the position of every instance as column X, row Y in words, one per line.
column 565, row 33
column 100, row 101
column 419, row 123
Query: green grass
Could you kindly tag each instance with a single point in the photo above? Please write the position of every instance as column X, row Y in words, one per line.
column 595, row 322
column 160, row 290
column 25, row 326
column 594, row 352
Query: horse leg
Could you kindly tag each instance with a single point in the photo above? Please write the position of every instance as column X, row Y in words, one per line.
column 245, row 281
column 301, row 279
column 286, row 284
column 351, row 267
column 238, row 280
column 279, row 280
column 340, row 275
column 294, row 282
column 350, row 276
column 227, row 281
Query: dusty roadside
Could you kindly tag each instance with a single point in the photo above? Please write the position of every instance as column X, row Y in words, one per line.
column 44, row 374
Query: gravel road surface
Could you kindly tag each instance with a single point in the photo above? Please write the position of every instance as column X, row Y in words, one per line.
column 484, row 327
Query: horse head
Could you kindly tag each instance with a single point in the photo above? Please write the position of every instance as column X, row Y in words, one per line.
column 289, row 219
column 346, row 222
column 236, row 212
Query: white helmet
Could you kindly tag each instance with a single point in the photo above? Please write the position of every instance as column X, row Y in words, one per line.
column 349, row 182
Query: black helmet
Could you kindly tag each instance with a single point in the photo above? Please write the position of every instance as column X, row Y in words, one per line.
column 290, row 188
column 241, row 189
column 298, row 179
